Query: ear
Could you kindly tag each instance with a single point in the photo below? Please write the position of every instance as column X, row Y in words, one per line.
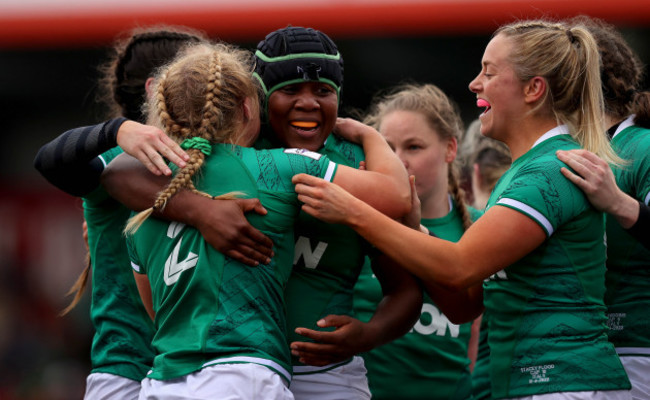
column 248, row 108
column 476, row 175
column 147, row 86
column 534, row 89
column 452, row 149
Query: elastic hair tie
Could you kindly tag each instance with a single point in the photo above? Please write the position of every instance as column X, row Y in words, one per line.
column 203, row 145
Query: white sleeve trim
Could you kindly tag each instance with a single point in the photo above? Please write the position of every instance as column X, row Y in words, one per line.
column 632, row 350
column 135, row 267
column 525, row 208
column 647, row 199
column 329, row 174
column 102, row 159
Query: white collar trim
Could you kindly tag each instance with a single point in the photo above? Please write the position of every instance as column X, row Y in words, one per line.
column 558, row 130
column 628, row 122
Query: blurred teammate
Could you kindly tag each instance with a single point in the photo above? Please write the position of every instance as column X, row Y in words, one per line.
column 121, row 352
column 431, row 361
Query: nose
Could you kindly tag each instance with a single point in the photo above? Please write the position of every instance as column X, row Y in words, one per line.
column 475, row 84
column 306, row 100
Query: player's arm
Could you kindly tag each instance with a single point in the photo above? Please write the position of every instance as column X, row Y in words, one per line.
column 485, row 248
column 71, row 161
column 398, row 310
column 641, row 227
column 144, row 288
column 384, row 184
column 221, row 222
column 459, row 306
column 401, row 304
column 596, row 179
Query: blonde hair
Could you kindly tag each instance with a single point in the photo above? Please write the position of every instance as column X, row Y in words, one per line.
column 493, row 159
column 567, row 58
column 442, row 116
column 199, row 95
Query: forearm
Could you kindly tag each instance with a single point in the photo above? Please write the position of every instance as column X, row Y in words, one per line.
column 379, row 157
column 401, row 305
column 71, row 163
column 625, row 209
column 641, row 227
column 387, row 170
column 129, row 182
column 458, row 306
column 419, row 253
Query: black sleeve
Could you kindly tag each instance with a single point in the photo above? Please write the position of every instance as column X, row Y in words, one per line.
column 71, row 163
column 641, row 228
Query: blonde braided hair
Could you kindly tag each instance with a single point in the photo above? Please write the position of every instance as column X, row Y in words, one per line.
column 198, row 99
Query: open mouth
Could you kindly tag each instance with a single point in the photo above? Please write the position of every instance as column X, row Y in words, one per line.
column 483, row 103
column 305, row 125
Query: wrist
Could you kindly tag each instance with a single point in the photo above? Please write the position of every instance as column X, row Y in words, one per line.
column 625, row 210
column 185, row 207
column 122, row 128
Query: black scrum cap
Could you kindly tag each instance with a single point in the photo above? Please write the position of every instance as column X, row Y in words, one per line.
column 295, row 55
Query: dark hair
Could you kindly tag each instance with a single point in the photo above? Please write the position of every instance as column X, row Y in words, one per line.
column 135, row 58
column 295, row 54
column 621, row 72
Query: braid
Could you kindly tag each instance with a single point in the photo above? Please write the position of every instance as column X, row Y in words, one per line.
column 134, row 58
column 211, row 114
column 170, row 126
column 458, row 194
column 199, row 96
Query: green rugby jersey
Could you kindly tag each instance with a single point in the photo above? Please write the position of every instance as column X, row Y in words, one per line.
column 481, row 374
column 430, row 361
column 209, row 308
column 123, row 330
column 327, row 261
column 546, row 321
column 628, row 261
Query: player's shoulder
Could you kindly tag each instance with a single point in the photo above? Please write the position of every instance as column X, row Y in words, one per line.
column 343, row 151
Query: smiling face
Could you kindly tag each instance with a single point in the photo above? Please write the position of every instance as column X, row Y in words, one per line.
column 303, row 114
column 422, row 150
column 499, row 90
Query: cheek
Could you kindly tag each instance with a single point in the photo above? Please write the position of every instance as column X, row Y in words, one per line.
column 330, row 113
column 429, row 166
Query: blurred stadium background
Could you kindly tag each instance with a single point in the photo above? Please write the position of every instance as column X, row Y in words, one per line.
column 49, row 53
